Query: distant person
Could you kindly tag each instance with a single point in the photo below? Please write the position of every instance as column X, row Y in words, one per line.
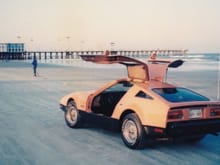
column 153, row 56
column 107, row 53
column 6, row 58
column 34, row 63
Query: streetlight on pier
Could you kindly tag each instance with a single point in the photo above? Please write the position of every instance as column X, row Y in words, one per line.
column 82, row 44
column 68, row 43
column 112, row 44
column 32, row 42
column 19, row 38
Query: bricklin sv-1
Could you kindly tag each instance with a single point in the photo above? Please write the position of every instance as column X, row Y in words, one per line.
column 143, row 106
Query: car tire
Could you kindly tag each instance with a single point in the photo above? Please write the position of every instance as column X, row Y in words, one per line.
column 132, row 132
column 72, row 116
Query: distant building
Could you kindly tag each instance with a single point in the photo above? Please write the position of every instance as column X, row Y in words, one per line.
column 11, row 50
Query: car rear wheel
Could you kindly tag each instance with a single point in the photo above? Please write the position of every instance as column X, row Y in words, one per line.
column 72, row 116
column 132, row 132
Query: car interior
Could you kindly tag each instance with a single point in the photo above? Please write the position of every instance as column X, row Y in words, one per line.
column 105, row 102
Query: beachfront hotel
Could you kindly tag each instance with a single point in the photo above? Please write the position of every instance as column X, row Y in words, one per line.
column 11, row 50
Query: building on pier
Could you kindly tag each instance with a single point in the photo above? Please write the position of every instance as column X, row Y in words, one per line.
column 11, row 50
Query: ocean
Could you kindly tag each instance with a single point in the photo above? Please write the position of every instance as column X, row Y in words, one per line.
column 200, row 59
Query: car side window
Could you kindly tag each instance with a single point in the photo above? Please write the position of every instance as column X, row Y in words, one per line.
column 142, row 94
column 120, row 87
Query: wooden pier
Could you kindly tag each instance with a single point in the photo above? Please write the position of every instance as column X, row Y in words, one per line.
column 44, row 55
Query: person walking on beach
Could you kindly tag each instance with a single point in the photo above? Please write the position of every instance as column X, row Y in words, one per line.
column 34, row 63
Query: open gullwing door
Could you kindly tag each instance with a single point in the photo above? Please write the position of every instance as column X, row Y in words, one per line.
column 158, row 68
column 155, row 69
column 137, row 70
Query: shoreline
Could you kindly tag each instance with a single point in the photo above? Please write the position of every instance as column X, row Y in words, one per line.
column 204, row 81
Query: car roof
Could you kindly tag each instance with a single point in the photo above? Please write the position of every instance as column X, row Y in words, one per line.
column 155, row 84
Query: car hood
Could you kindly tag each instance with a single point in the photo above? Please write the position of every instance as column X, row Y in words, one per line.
column 75, row 95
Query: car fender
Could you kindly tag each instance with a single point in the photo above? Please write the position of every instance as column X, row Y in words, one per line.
column 149, row 112
column 80, row 99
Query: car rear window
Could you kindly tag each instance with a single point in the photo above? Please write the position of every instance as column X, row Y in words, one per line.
column 179, row 95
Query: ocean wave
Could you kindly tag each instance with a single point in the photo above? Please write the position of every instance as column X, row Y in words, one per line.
column 203, row 57
column 195, row 66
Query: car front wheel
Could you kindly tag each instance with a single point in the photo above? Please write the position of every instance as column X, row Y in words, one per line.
column 132, row 132
column 72, row 116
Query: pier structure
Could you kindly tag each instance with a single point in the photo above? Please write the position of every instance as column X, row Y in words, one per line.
column 44, row 55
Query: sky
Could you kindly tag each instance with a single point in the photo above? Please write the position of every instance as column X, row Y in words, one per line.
column 96, row 24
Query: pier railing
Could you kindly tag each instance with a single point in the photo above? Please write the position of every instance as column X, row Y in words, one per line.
column 76, row 54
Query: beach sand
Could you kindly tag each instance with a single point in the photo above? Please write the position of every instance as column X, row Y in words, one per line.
column 33, row 130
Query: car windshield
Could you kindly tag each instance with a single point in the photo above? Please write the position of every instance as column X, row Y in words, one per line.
column 179, row 95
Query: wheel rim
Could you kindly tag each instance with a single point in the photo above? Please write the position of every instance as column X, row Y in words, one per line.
column 130, row 132
column 71, row 114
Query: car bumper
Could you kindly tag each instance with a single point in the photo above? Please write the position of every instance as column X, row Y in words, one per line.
column 185, row 128
column 196, row 127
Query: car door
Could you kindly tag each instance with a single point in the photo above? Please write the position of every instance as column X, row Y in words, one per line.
column 104, row 101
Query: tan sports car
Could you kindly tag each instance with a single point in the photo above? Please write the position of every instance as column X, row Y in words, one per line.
column 143, row 106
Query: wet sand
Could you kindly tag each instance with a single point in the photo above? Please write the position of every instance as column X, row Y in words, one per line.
column 33, row 130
